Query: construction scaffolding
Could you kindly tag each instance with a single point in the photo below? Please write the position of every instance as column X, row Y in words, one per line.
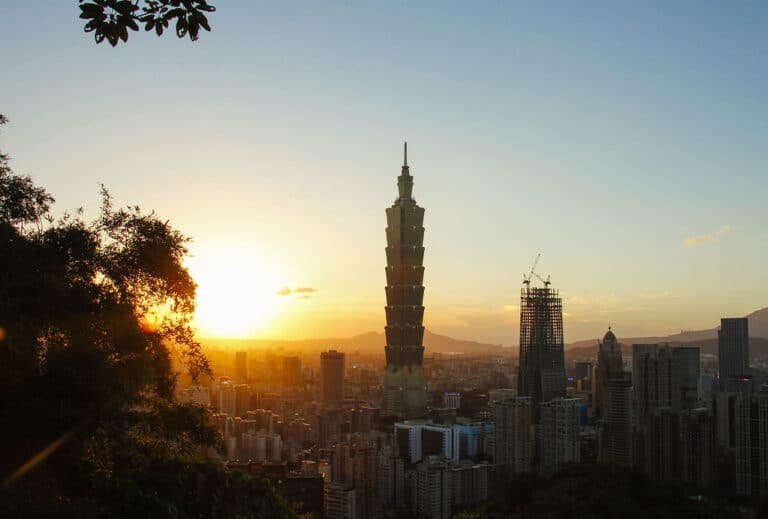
column 542, row 362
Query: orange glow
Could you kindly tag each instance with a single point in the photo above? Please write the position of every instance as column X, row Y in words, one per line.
column 236, row 294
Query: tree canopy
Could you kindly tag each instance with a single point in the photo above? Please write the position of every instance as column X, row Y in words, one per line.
column 92, row 316
column 593, row 490
column 111, row 20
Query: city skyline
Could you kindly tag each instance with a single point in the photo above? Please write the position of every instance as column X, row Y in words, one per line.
column 626, row 147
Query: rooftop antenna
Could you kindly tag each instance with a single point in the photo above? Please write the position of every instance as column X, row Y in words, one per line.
column 405, row 153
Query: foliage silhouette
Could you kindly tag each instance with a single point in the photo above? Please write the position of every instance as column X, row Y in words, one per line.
column 593, row 490
column 92, row 316
column 111, row 20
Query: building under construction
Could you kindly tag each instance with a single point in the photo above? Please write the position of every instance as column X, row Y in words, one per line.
column 542, row 362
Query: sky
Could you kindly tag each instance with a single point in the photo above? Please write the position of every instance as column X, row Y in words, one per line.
column 625, row 142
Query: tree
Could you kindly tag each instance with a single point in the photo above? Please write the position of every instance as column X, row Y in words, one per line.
column 92, row 315
column 111, row 20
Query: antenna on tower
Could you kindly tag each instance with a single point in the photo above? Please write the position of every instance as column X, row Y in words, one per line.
column 405, row 153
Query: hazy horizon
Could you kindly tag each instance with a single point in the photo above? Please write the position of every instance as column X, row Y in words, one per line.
column 627, row 146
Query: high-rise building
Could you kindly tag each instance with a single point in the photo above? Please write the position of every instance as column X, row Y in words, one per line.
column 431, row 490
column 609, row 364
column 686, row 369
column 733, row 351
column 242, row 399
column 657, row 444
column 241, row 367
column 560, row 440
column 697, row 450
column 542, row 361
column 651, row 377
column 474, row 438
column 339, row 501
column 356, row 463
column 616, row 444
column 513, row 444
column 405, row 389
column 292, row 371
column 332, row 377
column 471, row 483
column 227, row 398
column 751, row 431
column 418, row 439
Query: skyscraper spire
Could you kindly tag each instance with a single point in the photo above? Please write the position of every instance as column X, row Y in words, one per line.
column 404, row 392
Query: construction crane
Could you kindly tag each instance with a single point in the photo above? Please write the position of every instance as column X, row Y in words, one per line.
column 532, row 273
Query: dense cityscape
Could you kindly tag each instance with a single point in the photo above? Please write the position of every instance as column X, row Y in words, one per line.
column 198, row 198
column 437, row 434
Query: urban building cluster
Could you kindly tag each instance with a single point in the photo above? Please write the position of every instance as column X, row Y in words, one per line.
column 437, row 434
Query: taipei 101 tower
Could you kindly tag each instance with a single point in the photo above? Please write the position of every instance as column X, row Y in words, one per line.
column 405, row 391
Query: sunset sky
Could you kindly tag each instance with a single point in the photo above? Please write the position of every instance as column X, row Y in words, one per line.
column 627, row 144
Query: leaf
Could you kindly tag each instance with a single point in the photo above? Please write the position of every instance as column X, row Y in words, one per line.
column 181, row 27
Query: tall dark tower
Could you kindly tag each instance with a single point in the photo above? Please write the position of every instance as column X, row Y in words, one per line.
column 542, row 358
column 405, row 391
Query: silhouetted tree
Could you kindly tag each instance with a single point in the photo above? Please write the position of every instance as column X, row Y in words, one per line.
column 92, row 314
column 111, row 20
column 594, row 490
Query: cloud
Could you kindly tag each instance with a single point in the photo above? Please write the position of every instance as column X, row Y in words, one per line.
column 696, row 240
column 298, row 293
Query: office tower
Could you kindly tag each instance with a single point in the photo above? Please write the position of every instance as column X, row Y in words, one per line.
column 513, row 444
column 697, row 450
column 227, row 398
column 609, row 364
column 733, row 351
column 542, row 363
column 616, row 445
column 339, row 501
column 405, row 390
column 651, row 377
column 751, row 432
column 332, row 377
column 241, row 367
column 686, row 368
column 560, row 440
column 292, row 371
column 431, row 489
column 451, row 400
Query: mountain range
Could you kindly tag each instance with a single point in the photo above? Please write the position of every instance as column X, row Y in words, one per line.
column 373, row 343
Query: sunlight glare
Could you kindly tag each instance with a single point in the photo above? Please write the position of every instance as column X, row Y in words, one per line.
column 236, row 294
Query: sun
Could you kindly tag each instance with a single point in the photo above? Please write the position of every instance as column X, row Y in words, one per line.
column 236, row 293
